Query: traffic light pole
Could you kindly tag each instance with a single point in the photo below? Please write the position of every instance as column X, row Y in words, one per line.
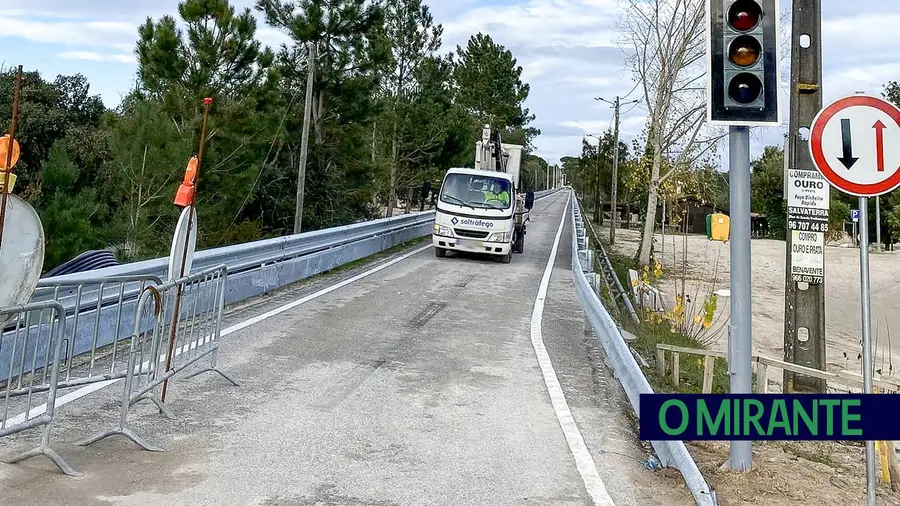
column 740, row 331
column 804, row 309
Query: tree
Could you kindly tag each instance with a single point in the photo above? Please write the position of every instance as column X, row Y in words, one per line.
column 106, row 178
column 665, row 45
column 43, row 120
column 767, row 196
column 534, row 172
column 414, row 38
column 216, row 56
column 148, row 157
column 489, row 86
column 767, row 190
column 219, row 55
column 72, row 215
column 350, row 48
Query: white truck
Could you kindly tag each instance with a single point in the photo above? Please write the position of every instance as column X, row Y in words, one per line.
column 483, row 210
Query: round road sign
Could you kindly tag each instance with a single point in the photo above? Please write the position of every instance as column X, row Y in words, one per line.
column 855, row 144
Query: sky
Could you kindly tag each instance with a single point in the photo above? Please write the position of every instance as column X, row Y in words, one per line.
column 567, row 49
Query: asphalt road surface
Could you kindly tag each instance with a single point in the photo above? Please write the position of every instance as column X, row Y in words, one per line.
column 416, row 385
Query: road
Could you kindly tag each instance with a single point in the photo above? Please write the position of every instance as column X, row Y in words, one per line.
column 418, row 384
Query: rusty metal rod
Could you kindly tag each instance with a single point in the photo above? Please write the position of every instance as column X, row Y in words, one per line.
column 9, row 149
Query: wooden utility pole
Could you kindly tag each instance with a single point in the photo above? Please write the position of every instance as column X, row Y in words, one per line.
column 614, row 185
column 613, row 210
column 304, row 142
column 804, row 303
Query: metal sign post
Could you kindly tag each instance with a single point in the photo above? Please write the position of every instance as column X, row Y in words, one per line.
column 855, row 144
column 743, row 72
column 740, row 336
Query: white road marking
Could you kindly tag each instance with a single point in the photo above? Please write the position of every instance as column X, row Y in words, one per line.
column 93, row 387
column 583, row 459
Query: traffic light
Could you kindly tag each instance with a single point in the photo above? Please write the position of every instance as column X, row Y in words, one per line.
column 743, row 74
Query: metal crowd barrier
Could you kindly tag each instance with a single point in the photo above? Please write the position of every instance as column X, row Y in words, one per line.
column 185, row 321
column 24, row 391
column 176, row 324
column 626, row 369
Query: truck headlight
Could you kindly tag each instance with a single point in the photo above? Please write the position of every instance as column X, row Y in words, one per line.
column 499, row 237
column 441, row 230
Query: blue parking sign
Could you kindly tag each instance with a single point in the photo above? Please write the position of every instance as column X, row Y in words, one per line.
column 854, row 214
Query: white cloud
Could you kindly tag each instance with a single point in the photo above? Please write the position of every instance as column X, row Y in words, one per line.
column 547, row 22
column 566, row 47
column 80, row 55
column 124, row 58
column 88, row 55
column 87, row 33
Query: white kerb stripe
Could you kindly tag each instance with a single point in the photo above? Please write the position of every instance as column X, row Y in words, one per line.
column 583, row 460
column 93, row 387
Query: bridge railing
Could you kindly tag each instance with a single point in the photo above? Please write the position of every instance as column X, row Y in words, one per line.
column 626, row 369
column 124, row 322
column 100, row 306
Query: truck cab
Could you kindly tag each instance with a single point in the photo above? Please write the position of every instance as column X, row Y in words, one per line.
column 482, row 210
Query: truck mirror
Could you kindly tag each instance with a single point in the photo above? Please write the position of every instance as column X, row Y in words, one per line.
column 529, row 200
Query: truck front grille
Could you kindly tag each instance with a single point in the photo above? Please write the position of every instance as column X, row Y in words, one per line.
column 474, row 234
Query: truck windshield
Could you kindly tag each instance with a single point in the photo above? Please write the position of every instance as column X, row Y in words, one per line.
column 477, row 191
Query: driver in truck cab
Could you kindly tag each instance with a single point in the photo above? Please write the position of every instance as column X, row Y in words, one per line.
column 495, row 192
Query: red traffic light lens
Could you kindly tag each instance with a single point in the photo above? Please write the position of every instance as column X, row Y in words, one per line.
column 744, row 88
column 744, row 51
column 744, row 15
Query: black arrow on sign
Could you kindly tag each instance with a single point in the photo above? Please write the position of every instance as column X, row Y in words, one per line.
column 848, row 160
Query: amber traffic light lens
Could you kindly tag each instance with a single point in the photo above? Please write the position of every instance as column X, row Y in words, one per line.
column 744, row 51
column 744, row 88
column 744, row 15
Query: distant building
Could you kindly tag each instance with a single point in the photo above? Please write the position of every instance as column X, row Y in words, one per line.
column 696, row 211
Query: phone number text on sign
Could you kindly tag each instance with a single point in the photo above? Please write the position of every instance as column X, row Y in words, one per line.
column 807, row 256
column 808, row 226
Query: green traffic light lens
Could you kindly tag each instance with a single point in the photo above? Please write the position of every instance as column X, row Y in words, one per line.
column 744, row 51
column 744, row 88
column 744, row 15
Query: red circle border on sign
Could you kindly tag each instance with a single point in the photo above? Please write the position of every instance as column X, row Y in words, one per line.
column 815, row 146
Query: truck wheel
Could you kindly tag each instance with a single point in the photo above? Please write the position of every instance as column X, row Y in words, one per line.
column 507, row 258
column 440, row 252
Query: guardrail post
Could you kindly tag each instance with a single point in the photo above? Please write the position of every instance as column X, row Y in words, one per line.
column 586, row 257
column 597, row 283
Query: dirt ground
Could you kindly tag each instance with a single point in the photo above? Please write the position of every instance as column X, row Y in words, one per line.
column 790, row 474
column 793, row 473
column 708, row 271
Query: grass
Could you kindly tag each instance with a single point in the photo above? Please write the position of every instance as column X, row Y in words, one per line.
column 650, row 334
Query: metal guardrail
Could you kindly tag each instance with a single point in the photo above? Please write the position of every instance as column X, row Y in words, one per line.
column 670, row 453
column 101, row 305
column 618, row 293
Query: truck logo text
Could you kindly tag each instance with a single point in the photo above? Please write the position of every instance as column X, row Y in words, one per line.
column 472, row 223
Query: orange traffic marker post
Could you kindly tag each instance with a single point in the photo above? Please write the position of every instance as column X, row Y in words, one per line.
column 184, row 198
column 9, row 150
